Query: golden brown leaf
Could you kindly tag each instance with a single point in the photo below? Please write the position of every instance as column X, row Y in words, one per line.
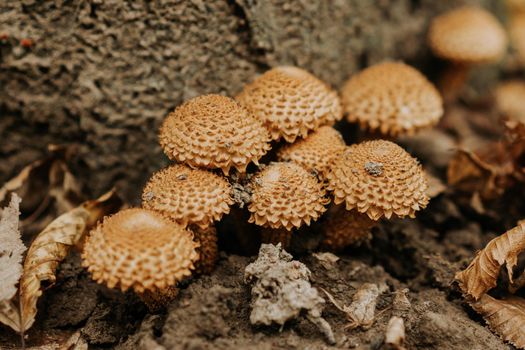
column 51, row 246
column 505, row 317
column 482, row 273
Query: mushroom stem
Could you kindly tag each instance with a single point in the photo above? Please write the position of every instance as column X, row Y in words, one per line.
column 158, row 299
column 344, row 228
column 452, row 81
column 276, row 235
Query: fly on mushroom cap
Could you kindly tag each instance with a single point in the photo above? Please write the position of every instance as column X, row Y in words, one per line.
column 286, row 195
column 467, row 35
column 510, row 97
column 214, row 131
column 291, row 102
column 392, row 97
column 188, row 196
column 378, row 178
column 315, row 151
column 139, row 249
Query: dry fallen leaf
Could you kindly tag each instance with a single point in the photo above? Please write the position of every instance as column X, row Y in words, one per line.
column 505, row 317
column 482, row 273
column 51, row 246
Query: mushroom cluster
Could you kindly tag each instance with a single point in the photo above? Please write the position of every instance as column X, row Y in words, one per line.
column 216, row 144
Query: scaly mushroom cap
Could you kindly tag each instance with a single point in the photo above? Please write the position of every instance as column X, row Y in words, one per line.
column 214, row 131
column 188, row 196
column 343, row 228
column 393, row 98
column 378, row 178
column 467, row 35
column 510, row 97
column 291, row 102
column 315, row 151
column 286, row 195
column 139, row 249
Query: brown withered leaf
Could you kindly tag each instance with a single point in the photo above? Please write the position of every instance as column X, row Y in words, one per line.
column 482, row 273
column 505, row 317
column 52, row 245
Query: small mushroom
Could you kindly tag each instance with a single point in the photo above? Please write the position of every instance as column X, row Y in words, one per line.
column 315, row 152
column 214, row 131
column 343, row 228
column 208, row 249
column 287, row 196
column 465, row 36
column 398, row 188
column 517, row 37
column 188, row 196
column 510, row 97
column 393, row 98
column 142, row 250
column 291, row 102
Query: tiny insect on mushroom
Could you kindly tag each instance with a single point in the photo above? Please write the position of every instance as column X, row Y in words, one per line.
column 194, row 198
column 286, row 196
column 393, row 98
column 378, row 179
column 465, row 36
column 314, row 152
column 291, row 102
column 140, row 249
column 214, row 132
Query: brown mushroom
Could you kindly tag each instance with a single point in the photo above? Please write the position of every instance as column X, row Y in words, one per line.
column 465, row 36
column 287, row 196
column 142, row 250
column 315, row 152
column 510, row 97
column 393, row 98
column 343, row 228
column 517, row 37
column 291, row 102
column 214, row 131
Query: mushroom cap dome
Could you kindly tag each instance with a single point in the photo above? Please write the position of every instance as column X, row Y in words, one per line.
column 291, row 102
column 214, row 131
column 468, row 35
column 139, row 249
column 378, row 178
column 315, row 151
column 188, row 196
column 393, row 98
column 286, row 195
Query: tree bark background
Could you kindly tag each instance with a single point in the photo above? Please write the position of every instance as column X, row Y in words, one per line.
column 102, row 74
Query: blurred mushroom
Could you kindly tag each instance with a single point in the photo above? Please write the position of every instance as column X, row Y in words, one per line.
column 517, row 37
column 291, row 102
column 142, row 250
column 286, row 196
column 392, row 98
column 214, row 131
column 315, row 152
column 465, row 36
column 188, row 196
column 343, row 228
column 510, row 100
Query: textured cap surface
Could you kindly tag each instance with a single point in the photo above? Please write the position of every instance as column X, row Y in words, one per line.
column 214, row 131
column 391, row 97
column 188, row 196
column 315, row 151
column 286, row 195
column 139, row 249
column 378, row 178
column 510, row 100
column 290, row 102
column 343, row 228
column 467, row 35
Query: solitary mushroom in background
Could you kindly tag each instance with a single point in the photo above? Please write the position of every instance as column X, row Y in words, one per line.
column 377, row 179
column 291, row 102
column 286, row 196
column 466, row 36
column 194, row 198
column 142, row 250
column 214, row 131
column 392, row 98
column 510, row 100
column 315, row 152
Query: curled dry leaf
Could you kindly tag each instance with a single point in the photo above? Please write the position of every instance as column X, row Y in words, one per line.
column 482, row 273
column 51, row 246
